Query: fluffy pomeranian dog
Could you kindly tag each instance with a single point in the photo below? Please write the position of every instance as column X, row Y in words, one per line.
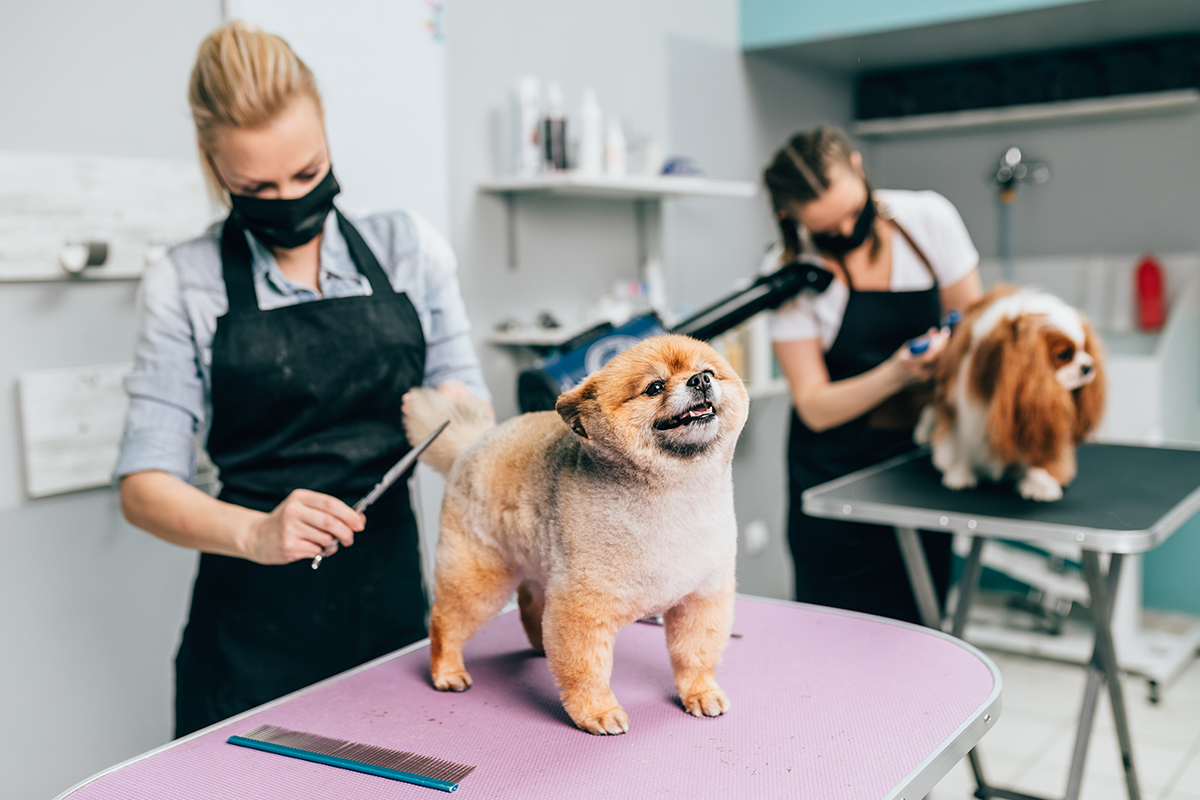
column 1020, row 384
column 616, row 507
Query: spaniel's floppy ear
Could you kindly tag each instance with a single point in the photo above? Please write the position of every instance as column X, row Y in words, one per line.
column 1029, row 415
column 1089, row 399
column 572, row 406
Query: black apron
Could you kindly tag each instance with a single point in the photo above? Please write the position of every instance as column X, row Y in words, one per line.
column 853, row 565
column 304, row 396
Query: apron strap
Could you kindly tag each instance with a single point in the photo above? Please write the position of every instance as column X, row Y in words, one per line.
column 236, row 266
column 363, row 258
column 886, row 212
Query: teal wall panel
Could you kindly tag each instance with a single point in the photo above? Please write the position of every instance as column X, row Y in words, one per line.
column 775, row 23
column 1172, row 572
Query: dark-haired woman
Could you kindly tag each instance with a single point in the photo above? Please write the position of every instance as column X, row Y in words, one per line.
column 898, row 260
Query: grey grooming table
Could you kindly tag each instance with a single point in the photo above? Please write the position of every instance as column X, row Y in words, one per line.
column 1124, row 500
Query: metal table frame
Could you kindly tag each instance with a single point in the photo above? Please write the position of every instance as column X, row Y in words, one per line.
column 825, row 501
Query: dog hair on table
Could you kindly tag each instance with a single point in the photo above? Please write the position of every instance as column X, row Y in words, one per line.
column 614, row 507
column 1020, row 384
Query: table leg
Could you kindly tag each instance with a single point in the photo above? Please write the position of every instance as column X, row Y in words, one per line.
column 967, row 585
column 919, row 577
column 1091, row 693
column 1102, row 615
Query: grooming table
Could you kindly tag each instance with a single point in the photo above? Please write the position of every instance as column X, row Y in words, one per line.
column 1124, row 500
column 826, row 704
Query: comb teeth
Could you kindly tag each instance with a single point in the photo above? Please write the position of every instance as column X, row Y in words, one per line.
column 399, row 760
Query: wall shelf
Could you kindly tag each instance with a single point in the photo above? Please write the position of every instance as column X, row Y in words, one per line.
column 630, row 187
column 1131, row 104
column 647, row 192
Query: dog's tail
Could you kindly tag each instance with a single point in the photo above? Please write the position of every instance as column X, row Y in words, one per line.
column 425, row 409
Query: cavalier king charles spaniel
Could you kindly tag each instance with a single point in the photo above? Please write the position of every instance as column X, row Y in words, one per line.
column 1020, row 384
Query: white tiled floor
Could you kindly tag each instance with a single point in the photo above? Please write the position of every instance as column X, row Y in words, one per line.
column 1030, row 747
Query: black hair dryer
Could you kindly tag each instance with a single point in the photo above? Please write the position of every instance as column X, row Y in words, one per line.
column 538, row 389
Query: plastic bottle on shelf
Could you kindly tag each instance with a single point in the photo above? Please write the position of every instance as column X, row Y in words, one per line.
column 614, row 148
column 656, row 287
column 529, row 113
column 554, row 130
column 590, row 160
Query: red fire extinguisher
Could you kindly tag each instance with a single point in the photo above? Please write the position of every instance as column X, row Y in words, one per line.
column 1151, row 297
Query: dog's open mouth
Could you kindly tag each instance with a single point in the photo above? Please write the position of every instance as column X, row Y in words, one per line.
column 703, row 412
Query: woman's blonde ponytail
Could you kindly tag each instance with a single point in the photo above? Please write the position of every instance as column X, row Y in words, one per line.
column 243, row 78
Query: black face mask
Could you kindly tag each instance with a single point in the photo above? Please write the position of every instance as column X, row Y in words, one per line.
column 838, row 245
column 287, row 223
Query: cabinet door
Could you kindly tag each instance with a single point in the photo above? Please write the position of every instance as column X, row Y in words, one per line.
column 775, row 23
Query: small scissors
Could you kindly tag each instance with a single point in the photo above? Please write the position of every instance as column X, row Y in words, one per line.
column 388, row 479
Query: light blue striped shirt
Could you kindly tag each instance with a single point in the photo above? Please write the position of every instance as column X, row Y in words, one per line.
column 182, row 294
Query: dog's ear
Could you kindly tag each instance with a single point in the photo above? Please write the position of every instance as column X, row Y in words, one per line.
column 1029, row 413
column 1089, row 399
column 571, row 406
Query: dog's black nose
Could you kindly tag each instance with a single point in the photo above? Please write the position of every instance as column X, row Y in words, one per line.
column 1085, row 368
column 701, row 381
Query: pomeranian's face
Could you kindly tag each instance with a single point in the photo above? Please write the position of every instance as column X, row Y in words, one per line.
column 666, row 397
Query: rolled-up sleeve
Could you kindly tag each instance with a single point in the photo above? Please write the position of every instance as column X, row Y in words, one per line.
column 166, row 391
column 449, row 352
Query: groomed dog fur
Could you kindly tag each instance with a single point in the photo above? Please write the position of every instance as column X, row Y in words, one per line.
column 617, row 507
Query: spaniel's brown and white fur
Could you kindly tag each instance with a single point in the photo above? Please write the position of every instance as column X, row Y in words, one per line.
column 1020, row 384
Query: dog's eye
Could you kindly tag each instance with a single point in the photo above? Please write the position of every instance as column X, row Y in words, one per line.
column 1065, row 355
column 655, row 389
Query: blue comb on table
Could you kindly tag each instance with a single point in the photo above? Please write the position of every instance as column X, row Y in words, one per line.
column 371, row 759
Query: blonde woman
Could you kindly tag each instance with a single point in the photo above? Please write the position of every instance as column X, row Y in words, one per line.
column 283, row 339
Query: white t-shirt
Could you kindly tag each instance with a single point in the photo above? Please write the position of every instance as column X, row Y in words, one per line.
column 934, row 224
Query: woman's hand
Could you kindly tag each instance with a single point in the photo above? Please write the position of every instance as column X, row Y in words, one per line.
column 914, row 369
column 303, row 525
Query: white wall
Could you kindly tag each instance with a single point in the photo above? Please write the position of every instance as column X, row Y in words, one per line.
column 1116, row 185
column 382, row 75
column 94, row 606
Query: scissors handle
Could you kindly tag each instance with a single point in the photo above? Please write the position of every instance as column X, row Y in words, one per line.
column 328, row 551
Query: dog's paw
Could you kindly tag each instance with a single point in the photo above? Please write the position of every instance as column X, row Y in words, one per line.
column 1039, row 485
column 458, row 681
column 959, row 476
column 611, row 722
column 712, row 703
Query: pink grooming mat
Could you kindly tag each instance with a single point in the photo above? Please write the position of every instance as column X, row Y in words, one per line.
column 825, row 705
